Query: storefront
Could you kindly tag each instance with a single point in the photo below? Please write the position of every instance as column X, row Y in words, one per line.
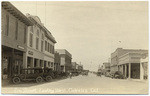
column 12, row 61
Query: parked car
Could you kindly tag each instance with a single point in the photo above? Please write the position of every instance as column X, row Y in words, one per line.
column 99, row 74
column 48, row 74
column 118, row 75
column 75, row 73
column 28, row 74
column 107, row 74
column 64, row 74
column 84, row 73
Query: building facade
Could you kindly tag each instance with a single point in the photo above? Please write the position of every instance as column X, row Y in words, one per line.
column 14, row 40
column 80, row 68
column 106, row 67
column 127, row 61
column 144, row 67
column 40, row 45
column 131, row 66
column 65, row 60
column 115, row 57
column 57, row 62
column 74, row 66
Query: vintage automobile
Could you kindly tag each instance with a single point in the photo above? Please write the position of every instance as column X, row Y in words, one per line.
column 48, row 74
column 28, row 74
column 64, row 74
column 118, row 75
column 75, row 73
column 99, row 74
column 107, row 74
column 35, row 74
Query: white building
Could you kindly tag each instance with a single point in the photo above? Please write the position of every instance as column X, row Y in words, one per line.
column 40, row 45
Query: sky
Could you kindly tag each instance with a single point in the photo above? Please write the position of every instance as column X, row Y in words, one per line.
column 92, row 30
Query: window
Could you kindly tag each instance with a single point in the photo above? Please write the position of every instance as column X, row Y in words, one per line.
column 51, row 48
column 31, row 28
column 48, row 64
column 37, row 43
column 31, row 40
column 51, row 64
column 25, row 34
column 16, row 34
column 43, row 36
column 48, row 47
column 42, row 46
column 37, row 33
column 45, row 45
column 7, row 25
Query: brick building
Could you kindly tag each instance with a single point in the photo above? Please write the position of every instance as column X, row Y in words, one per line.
column 65, row 60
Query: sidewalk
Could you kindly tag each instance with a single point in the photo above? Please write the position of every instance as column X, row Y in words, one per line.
column 5, row 82
column 138, row 80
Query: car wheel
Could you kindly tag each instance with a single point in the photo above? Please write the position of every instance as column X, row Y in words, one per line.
column 48, row 78
column 39, row 79
column 16, row 80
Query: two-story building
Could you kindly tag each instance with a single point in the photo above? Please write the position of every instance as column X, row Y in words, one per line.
column 65, row 60
column 40, row 45
column 14, row 40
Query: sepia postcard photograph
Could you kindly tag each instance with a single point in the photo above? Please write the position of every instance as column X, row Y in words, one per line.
column 75, row 47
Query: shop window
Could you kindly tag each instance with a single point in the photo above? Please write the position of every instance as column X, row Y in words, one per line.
column 5, row 65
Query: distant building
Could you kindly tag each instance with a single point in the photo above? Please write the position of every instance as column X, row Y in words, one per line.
column 65, row 60
column 74, row 67
column 106, row 67
column 127, row 61
column 40, row 45
column 14, row 39
column 115, row 57
column 80, row 68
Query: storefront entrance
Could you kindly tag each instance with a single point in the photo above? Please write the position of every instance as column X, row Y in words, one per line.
column 12, row 62
column 135, row 70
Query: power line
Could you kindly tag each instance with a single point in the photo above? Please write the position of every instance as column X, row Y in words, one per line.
column 45, row 13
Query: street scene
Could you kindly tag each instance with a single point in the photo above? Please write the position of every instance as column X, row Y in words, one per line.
column 90, row 84
column 74, row 47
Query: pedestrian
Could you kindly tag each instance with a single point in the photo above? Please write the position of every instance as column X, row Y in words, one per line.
column 70, row 75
